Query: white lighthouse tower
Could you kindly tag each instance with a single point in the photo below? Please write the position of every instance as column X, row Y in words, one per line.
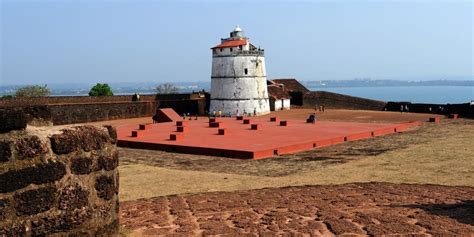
column 238, row 80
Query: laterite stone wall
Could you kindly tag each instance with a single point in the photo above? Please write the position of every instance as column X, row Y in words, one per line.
column 340, row 101
column 15, row 113
column 59, row 181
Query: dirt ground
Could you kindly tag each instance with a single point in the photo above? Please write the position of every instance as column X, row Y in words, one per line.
column 356, row 209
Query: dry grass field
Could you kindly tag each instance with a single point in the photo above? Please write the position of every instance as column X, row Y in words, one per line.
column 433, row 153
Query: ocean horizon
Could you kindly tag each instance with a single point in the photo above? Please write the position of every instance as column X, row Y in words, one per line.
column 414, row 94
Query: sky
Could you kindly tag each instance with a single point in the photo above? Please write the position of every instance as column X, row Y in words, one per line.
column 44, row 42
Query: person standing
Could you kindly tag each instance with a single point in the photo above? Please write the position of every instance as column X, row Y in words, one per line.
column 136, row 97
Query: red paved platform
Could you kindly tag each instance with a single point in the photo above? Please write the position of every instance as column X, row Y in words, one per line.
column 239, row 140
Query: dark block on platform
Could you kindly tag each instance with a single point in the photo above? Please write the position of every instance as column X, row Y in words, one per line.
column 274, row 119
column 247, row 121
column 216, row 124
column 222, row 131
column 176, row 137
column 240, row 117
column 435, row 120
column 284, row 123
column 136, row 133
column 145, row 126
column 181, row 129
column 255, row 126
column 181, row 123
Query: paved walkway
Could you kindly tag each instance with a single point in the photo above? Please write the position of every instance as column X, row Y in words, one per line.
column 360, row 208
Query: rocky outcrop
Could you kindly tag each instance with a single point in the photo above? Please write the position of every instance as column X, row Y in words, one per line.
column 59, row 181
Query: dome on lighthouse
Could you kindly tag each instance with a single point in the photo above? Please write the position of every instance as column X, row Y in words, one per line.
column 237, row 33
column 237, row 28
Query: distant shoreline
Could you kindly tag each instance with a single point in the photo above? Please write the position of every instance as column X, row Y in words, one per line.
column 434, row 91
column 414, row 94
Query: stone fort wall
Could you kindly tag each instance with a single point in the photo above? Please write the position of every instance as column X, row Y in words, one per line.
column 90, row 112
column 58, row 181
column 8, row 102
column 340, row 101
column 81, row 109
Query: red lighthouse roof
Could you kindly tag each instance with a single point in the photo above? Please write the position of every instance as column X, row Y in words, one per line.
column 231, row 43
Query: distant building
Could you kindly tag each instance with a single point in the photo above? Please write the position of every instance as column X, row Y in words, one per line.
column 291, row 85
column 279, row 98
column 238, row 80
column 294, row 88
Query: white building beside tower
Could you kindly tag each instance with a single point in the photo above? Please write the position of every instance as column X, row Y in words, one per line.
column 238, row 80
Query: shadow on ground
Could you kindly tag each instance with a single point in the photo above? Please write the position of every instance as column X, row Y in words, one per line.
column 463, row 212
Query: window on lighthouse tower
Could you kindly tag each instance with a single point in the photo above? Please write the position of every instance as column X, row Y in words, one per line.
column 246, row 71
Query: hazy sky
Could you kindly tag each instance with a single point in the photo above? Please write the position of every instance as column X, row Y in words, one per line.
column 166, row 41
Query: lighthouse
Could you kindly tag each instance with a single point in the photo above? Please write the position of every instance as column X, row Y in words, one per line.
column 238, row 79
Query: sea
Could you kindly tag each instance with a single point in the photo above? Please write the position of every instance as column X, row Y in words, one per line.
column 414, row 94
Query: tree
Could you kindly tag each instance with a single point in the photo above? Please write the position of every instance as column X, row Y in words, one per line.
column 33, row 91
column 166, row 88
column 101, row 90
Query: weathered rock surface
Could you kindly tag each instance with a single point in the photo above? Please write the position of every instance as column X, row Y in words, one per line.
column 354, row 209
column 58, row 181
